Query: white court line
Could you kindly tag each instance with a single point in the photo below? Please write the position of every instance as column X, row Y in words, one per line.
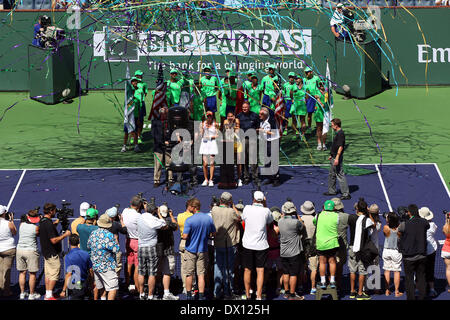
column 442, row 179
column 15, row 190
column 282, row 165
column 384, row 188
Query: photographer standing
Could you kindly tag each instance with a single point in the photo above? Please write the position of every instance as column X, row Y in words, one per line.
column 445, row 254
column 84, row 206
column 226, row 221
column 148, row 225
column 7, row 250
column 117, row 227
column 413, row 247
column 27, row 255
column 51, row 248
column 84, row 230
column 165, row 250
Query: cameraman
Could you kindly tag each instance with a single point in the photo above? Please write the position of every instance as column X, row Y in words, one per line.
column 165, row 250
column 413, row 246
column 337, row 23
column 7, row 249
column 27, row 255
column 51, row 248
column 148, row 225
column 39, row 28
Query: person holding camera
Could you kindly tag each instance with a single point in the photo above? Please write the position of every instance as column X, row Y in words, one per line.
column 198, row 229
column 226, row 221
column 148, row 225
column 51, row 248
column 392, row 259
column 84, row 230
column 337, row 23
column 7, row 250
column 118, row 227
column 165, row 250
column 79, row 273
column 27, row 254
column 130, row 217
column 413, row 247
column 103, row 249
column 445, row 254
column 432, row 245
column 84, row 206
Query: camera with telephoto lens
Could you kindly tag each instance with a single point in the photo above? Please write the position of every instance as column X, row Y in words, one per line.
column 63, row 215
column 143, row 202
column 151, row 207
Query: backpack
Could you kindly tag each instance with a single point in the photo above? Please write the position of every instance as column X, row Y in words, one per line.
column 368, row 251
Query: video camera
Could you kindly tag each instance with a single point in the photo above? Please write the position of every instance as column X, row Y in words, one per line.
column 402, row 214
column 63, row 215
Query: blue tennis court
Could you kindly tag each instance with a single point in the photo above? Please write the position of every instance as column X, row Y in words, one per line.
column 389, row 186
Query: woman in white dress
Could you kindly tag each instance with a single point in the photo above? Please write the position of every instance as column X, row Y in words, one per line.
column 208, row 147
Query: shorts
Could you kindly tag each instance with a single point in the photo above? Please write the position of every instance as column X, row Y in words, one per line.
column 167, row 265
column 328, row 253
column 254, row 258
column 195, row 263
column 445, row 254
column 148, row 261
column 132, row 251
column 27, row 260
column 108, row 280
column 318, row 114
column 313, row 263
column 142, row 113
column 266, row 101
column 310, row 105
column 291, row 265
column 211, row 104
column 270, row 262
column 392, row 260
column 52, row 268
column 287, row 112
column 355, row 265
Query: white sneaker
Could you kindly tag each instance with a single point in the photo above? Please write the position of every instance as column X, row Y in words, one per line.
column 239, row 183
column 319, row 147
column 170, row 296
column 324, row 147
column 205, row 183
column 211, row 183
column 124, row 148
column 131, row 287
column 23, row 295
column 34, row 296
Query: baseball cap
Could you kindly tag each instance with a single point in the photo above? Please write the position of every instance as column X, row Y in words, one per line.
column 91, row 213
column 258, row 196
column 163, row 210
column 426, row 213
column 83, row 208
column 174, row 71
column 328, row 205
column 292, row 74
column 3, row 209
column 288, row 207
column 111, row 212
column 138, row 73
column 276, row 214
column 307, row 207
column 227, row 69
column 307, row 69
column 134, row 78
column 33, row 219
column 226, row 196
column 338, row 205
column 104, row 221
column 374, row 208
column 271, row 66
column 207, row 68
column 339, row 5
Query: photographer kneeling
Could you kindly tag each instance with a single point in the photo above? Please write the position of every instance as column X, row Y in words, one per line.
column 50, row 248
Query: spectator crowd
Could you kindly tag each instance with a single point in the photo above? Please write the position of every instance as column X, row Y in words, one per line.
column 227, row 252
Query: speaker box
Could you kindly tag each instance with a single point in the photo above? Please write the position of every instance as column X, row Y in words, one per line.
column 51, row 72
column 360, row 69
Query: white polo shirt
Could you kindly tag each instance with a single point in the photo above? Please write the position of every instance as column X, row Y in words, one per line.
column 130, row 219
column 256, row 218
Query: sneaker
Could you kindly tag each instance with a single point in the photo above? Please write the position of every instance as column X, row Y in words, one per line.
column 333, row 285
column 211, row 183
column 142, row 296
column 239, row 183
column 324, row 147
column 363, row 297
column 322, row 285
column 313, row 291
column 433, row 293
column 170, row 296
column 23, row 295
column 124, row 148
column 353, row 295
column 34, row 296
column 259, row 298
column 131, row 288
column 139, row 140
column 131, row 140
column 347, row 197
column 189, row 297
column 319, row 147
column 205, row 183
column 154, row 298
column 244, row 297
column 285, row 132
column 296, row 297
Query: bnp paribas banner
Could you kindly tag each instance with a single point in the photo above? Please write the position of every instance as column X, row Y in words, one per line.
column 217, row 48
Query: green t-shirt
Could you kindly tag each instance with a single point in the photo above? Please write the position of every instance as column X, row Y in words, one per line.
column 311, row 85
column 245, row 86
column 287, row 88
column 174, row 91
column 198, row 107
column 327, row 230
column 137, row 100
column 209, row 86
column 254, row 98
column 230, row 91
column 143, row 86
column 268, row 85
column 299, row 95
column 323, row 98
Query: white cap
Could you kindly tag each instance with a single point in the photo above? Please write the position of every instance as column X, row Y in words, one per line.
column 163, row 210
column 3, row 209
column 83, row 208
column 339, row 5
column 111, row 212
column 258, row 196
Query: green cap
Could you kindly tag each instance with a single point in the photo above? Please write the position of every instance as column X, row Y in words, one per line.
column 134, row 78
column 292, row 74
column 254, row 75
column 91, row 213
column 271, row 66
column 307, row 69
column 207, row 68
column 138, row 73
column 328, row 205
column 174, row 71
column 228, row 70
